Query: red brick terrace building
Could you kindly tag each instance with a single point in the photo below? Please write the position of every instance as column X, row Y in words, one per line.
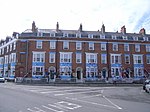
column 75, row 53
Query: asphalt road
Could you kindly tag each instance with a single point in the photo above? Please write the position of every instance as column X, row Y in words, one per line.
column 27, row 98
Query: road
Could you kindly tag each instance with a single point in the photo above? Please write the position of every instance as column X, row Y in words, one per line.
column 27, row 98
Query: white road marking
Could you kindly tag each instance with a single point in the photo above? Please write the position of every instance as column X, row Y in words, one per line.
column 75, row 93
column 112, row 102
column 51, row 109
column 93, row 103
column 37, row 110
column 64, row 90
column 68, row 105
column 57, row 107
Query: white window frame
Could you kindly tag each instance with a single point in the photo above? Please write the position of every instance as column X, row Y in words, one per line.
column 65, row 45
column 52, row 57
column 52, row 44
column 137, row 47
column 91, row 45
column 114, row 37
column 138, row 59
column 38, row 57
column 147, row 48
column 148, row 59
column 78, row 58
column 103, row 46
column 115, row 47
column 39, row 44
column 65, row 57
column 78, row 45
column 125, row 59
column 103, row 58
column 91, row 58
column 14, row 46
column 126, row 47
column 116, row 59
column 6, row 59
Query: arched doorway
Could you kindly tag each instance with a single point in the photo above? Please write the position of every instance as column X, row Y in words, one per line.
column 79, row 74
column 52, row 72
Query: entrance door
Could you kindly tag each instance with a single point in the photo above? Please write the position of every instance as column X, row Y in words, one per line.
column 79, row 73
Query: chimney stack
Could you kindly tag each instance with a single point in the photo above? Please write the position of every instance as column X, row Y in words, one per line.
column 57, row 27
column 34, row 29
column 142, row 31
column 103, row 29
column 123, row 29
column 80, row 28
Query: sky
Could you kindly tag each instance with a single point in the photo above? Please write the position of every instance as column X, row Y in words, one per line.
column 18, row 15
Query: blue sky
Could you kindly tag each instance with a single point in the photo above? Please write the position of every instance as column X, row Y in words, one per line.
column 17, row 15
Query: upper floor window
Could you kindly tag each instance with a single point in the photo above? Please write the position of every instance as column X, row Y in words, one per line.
column 90, row 36
column 38, row 56
column 91, row 46
column 52, row 34
column 115, row 47
column 1, row 60
column 137, row 48
column 6, row 59
column 10, row 47
column 148, row 59
column 52, row 57
column 126, row 47
column 114, row 37
column 65, row 45
column 78, row 58
column 115, row 59
column 14, row 47
column 138, row 59
column 145, row 38
column 135, row 38
column 147, row 48
column 52, row 44
column 91, row 58
column 78, row 45
column 104, row 58
column 39, row 34
column 125, row 37
column 39, row 44
column 12, row 58
column 127, row 59
column 65, row 57
column 103, row 46
column 65, row 34
column 102, row 36
column 7, row 48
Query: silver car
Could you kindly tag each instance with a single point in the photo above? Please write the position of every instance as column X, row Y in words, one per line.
column 2, row 79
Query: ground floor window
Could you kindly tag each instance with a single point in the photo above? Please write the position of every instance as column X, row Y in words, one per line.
column 38, row 70
column 138, row 71
column 115, row 71
column 65, row 70
column 91, row 72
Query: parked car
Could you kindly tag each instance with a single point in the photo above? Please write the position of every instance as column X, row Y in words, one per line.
column 145, row 83
column 147, row 88
column 2, row 79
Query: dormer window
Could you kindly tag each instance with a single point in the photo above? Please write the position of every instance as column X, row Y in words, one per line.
column 125, row 37
column 65, row 35
column 78, row 35
column 145, row 38
column 90, row 36
column 102, row 36
column 135, row 38
column 39, row 34
column 114, row 37
column 52, row 34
